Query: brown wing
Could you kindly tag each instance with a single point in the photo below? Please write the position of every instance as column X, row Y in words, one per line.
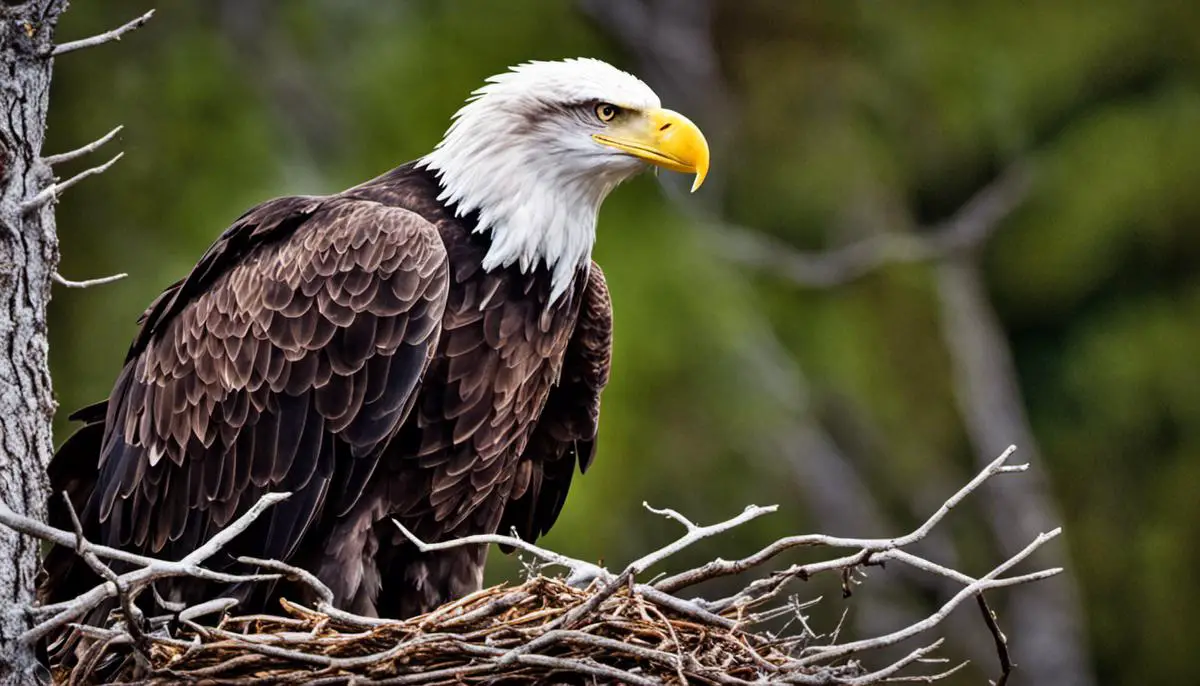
column 282, row 363
column 566, row 431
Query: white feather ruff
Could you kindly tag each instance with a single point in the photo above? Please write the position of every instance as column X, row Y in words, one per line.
column 521, row 153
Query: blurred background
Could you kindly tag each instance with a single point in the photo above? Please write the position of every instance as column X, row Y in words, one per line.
column 932, row 230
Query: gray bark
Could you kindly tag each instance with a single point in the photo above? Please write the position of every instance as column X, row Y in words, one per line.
column 28, row 259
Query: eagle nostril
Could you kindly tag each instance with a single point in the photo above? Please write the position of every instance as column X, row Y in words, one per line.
column 664, row 127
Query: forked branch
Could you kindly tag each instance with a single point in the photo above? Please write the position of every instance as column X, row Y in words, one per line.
column 54, row 190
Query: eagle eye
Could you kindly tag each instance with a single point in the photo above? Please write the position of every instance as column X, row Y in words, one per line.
column 606, row 112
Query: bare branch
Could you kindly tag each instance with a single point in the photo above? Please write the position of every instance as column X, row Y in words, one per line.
column 133, row 582
column 322, row 591
column 887, row 672
column 989, row 618
column 719, row 568
column 694, row 534
column 671, row 514
column 82, row 548
column 988, row 581
column 965, row 231
column 578, row 568
column 80, row 152
column 101, row 39
column 88, row 283
column 52, row 191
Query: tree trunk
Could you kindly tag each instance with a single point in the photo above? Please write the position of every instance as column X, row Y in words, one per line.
column 28, row 259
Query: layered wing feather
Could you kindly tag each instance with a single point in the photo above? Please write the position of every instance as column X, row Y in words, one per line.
column 284, row 362
column 565, row 435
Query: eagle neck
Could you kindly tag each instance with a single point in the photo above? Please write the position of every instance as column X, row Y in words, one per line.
column 547, row 220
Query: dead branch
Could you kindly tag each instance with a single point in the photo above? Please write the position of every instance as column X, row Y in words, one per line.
column 967, row 230
column 87, row 283
column 131, row 583
column 719, row 568
column 75, row 154
column 54, row 190
column 101, row 39
column 989, row 618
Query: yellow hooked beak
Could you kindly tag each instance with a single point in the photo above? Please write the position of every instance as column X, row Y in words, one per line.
column 663, row 138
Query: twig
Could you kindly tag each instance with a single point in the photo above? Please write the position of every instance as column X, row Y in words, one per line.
column 887, row 672
column 588, row 668
column 324, row 593
column 101, row 39
column 52, row 191
column 694, row 533
column 68, row 611
column 88, row 283
column 988, row 581
column 133, row 616
column 719, row 568
column 989, row 618
column 578, row 568
column 75, row 154
column 41, row 531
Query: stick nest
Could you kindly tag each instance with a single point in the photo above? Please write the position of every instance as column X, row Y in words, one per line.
column 593, row 626
column 511, row 635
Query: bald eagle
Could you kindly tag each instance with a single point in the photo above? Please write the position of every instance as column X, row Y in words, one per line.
column 428, row 346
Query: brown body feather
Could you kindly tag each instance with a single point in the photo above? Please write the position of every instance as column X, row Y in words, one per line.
column 352, row 350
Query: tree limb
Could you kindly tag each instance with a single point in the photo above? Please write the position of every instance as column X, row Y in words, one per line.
column 966, row 231
column 52, row 191
column 88, row 283
column 75, row 154
column 101, row 39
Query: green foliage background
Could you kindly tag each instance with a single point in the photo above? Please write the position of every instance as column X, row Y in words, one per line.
column 848, row 109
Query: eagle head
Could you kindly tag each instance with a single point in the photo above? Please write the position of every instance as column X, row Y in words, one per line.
column 536, row 150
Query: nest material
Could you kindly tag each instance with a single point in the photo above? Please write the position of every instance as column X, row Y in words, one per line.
column 614, row 629
column 543, row 631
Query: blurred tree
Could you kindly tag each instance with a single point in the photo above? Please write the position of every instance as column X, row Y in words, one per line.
column 733, row 386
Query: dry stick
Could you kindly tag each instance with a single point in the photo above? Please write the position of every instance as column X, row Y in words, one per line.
column 52, row 191
column 124, row 595
column 578, row 568
column 68, row 611
column 588, row 668
column 989, row 618
column 87, row 283
column 930, row 678
column 887, row 672
column 32, row 527
column 988, row 581
column 324, row 593
column 694, row 533
column 495, row 607
column 75, row 154
column 719, row 568
column 762, row 590
column 101, row 39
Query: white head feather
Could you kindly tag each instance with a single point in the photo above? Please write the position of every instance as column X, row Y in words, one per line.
column 521, row 153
